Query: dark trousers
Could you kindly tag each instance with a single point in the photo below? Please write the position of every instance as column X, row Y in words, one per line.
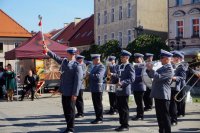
column 162, row 114
column 69, row 112
column 98, row 106
column 113, row 101
column 1, row 91
column 80, row 103
column 173, row 107
column 138, row 95
column 123, row 109
column 148, row 101
column 181, row 104
column 25, row 90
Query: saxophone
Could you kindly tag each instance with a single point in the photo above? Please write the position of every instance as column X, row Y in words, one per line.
column 108, row 76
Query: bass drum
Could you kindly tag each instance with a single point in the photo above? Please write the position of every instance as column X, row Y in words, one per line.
column 146, row 79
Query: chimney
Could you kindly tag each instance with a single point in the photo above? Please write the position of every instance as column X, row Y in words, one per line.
column 77, row 20
column 66, row 24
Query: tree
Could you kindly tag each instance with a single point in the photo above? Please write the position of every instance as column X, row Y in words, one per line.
column 107, row 49
column 147, row 44
column 94, row 49
column 110, row 48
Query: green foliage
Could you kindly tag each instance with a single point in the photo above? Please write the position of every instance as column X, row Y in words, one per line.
column 110, row 48
column 94, row 49
column 147, row 44
column 107, row 49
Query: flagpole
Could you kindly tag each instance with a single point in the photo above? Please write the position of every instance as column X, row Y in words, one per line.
column 41, row 29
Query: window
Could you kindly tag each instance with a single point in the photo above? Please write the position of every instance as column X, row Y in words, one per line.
column 105, row 17
column 113, row 36
column 179, row 2
column 129, row 36
column 129, row 10
column 99, row 40
column 98, row 18
column 1, row 47
column 1, row 64
column 113, row 3
column 120, row 38
column 120, row 13
column 195, row 1
column 113, row 15
column 195, row 27
column 105, row 38
column 179, row 29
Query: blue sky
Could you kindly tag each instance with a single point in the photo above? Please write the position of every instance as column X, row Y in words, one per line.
column 54, row 12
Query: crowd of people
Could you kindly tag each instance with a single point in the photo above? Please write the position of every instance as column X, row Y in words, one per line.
column 123, row 80
column 9, row 80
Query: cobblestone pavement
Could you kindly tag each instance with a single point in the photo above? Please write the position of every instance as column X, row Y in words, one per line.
column 44, row 115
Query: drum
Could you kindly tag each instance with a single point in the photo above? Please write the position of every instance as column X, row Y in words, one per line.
column 146, row 79
column 110, row 87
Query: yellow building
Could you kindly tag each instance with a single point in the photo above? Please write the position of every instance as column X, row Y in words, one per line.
column 124, row 20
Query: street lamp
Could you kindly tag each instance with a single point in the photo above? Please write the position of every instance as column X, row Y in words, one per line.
column 138, row 30
column 178, row 44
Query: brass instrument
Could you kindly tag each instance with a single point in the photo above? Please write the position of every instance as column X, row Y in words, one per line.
column 108, row 76
column 86, row 78
column 184, row 87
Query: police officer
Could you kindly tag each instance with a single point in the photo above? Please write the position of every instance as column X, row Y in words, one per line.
column 178, row 81
column 70, row 83
column 112, row 95
column 148, row 101
column 126, row 76
column 79, row 100
column 161, row 90
column 138, row 87
column 96, row 87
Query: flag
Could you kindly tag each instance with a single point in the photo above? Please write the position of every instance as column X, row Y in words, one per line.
column 40, row 23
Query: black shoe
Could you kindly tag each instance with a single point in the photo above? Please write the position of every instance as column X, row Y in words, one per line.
column 121, row 128
column 96, row 122
column 113, row 113
column 147, row 109
column 174, row 123
column 109, row 112
column 67, row 131
column 79, row 116
column 136, row 118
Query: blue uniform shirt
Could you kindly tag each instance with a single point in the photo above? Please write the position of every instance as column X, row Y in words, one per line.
column 96, row 78
column 180, row 74
column 138, row 84
column 126, row 75
column 71, row 75
column 161, row 82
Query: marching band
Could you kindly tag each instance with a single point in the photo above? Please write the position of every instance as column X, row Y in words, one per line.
column 121, row 81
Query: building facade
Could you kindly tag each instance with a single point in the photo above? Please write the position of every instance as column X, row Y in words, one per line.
column 184, row 25
column 124, row 20
column 79, row 33
column 12, row 35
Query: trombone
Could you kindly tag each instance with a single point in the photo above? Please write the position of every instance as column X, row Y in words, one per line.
column 180, row 99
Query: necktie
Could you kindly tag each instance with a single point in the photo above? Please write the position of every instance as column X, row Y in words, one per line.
column 122, row 66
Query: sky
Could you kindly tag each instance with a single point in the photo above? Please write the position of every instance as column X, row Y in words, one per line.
column 54, row 12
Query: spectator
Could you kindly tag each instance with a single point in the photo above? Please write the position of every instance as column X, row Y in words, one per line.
column 2, row 81
column 10, row 82
column 30, row 82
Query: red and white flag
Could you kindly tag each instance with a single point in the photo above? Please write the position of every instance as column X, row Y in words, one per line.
column 40, row 23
